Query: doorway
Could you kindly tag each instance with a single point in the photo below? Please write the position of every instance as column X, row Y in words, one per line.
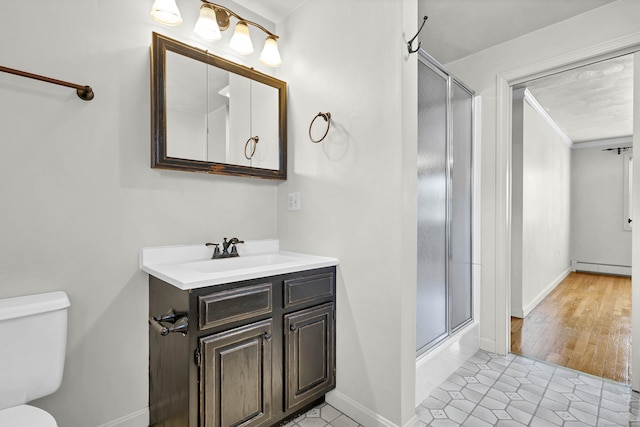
column 568, row 186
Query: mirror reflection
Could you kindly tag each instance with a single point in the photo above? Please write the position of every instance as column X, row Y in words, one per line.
column 212, row 115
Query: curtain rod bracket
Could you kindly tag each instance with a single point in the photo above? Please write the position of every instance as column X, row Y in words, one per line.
column 618, row 149
column 410, row 42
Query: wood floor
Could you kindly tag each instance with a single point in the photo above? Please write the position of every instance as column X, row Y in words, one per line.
column 583, row 324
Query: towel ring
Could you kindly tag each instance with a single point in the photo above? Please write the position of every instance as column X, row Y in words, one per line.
column 327, row 118
column 255, row 140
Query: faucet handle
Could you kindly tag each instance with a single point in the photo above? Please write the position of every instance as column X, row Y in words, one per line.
column 216, row 250
column 234, row 250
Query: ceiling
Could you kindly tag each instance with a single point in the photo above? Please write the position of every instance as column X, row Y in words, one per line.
column 589, row 103
column 457, row 28
column 273, row 10
column 594, row 102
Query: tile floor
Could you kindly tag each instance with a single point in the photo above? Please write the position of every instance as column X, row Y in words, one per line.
column 323, row 415
column 493, row 390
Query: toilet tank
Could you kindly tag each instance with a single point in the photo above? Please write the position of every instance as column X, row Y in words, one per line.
column 33, row 339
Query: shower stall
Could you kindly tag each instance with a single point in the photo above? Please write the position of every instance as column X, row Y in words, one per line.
column 445, row 202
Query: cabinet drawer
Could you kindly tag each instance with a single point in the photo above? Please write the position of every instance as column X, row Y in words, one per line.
column 224, row 307
column 308, row 289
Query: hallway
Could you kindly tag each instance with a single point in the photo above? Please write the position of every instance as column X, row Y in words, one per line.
column 583, row 324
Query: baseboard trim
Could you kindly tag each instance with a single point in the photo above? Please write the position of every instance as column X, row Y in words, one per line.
column 517, row 312
column 528, row 308
column 592, row 267
column 359, row 412
column 487, row 344
column 136, row 419
column 413, row 422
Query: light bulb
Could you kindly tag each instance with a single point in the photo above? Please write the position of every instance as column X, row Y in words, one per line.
column 241, row 41
column 270, row 55
column 166, row 12
column 207, row 25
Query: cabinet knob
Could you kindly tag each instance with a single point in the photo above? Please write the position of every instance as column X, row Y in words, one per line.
column 293, row 328
column 267, row 336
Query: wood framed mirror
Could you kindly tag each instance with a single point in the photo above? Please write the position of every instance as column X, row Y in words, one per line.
column 214, row 116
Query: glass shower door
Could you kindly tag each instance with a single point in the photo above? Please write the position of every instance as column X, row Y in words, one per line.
column 460, row 289
column 432, row 208
column 445, row 191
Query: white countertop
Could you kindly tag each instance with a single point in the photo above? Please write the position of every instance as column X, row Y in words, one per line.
column 190, row 266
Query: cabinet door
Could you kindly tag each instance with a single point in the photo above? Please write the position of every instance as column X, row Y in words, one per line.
column 310, row 354
column 235, row 386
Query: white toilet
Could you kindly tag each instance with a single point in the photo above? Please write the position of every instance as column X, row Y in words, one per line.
column 33, row 339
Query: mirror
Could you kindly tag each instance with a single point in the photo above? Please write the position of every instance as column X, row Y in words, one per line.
column 212, row 115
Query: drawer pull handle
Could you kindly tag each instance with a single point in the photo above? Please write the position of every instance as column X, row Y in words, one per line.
column 267, row 336
column 293, row 328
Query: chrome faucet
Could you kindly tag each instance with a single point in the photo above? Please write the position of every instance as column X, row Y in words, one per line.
column 225, row 248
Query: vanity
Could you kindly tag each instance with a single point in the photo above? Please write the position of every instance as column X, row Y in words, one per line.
column 245, row 341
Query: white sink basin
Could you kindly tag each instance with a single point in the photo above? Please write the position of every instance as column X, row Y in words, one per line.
column 238, row 263
column 190, row 267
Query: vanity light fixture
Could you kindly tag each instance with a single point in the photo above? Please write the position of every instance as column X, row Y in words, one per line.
column 206, row 26
column 241, row 40
column 215, row 18
column 166, row 12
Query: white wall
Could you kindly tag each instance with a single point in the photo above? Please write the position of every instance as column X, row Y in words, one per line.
column 358, row 189
column 541, row 206
column 517, row 151
column 482, row 71
column 635, row 296
column 79, row 199
column 597, row 202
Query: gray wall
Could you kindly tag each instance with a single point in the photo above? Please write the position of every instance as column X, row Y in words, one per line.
column 358, row 189
column 541, row 207
column 597, row 234
column 79, row 199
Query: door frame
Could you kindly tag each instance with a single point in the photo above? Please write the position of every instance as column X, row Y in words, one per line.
column 505, row 81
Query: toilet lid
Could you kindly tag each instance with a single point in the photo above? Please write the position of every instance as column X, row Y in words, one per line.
column 26, row 416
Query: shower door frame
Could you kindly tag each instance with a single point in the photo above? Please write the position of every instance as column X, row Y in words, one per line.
column 439, row 69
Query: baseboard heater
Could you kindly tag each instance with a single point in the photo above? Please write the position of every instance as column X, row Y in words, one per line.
column 592, row 267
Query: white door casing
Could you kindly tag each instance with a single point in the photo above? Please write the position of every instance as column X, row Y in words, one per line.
column 502, row 257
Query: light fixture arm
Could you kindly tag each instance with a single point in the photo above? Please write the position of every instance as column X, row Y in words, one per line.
column 230, row 12
column 410, row 42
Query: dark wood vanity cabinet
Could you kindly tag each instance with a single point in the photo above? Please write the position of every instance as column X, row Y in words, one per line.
column 256, row 353
column 310, row 353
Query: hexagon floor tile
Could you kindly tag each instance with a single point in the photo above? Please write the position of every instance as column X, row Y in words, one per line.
column 323, row 415
column 494, row 390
